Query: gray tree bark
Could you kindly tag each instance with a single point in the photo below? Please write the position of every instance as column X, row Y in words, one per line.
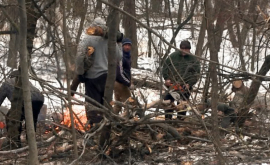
column 68, row 77
column 252, row 93
column 156, row 6
column 13, row 48
column 131, row 30
column 199, row 46
column 149, row 32
column 31, row 135
column 180, row 12
column 214, row 48
column 113, row 23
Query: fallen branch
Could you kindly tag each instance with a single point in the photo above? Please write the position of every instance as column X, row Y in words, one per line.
column 87, row 137
column 58, row 150
column 19, row 150
column 162, row 103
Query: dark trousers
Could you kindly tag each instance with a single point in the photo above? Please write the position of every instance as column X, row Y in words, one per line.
column 36, row 107
column 95, row 88
column 168, row 113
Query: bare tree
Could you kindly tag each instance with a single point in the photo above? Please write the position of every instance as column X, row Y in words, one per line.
column 149, row 43
column 214, row 46
column 131, row 29
column 113, row 22
column 33, row 154
column 244, row 46
column 180, row 11
column 156, row 6
column 68, row 76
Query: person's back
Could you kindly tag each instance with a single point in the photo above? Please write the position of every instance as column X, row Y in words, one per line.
column 100, row 60
column 100, row 54
column 95, row 76
column 7, row 88
column 14, row 121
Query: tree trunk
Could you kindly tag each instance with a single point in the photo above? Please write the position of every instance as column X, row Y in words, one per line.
column 113, row 22
column 32, row 18
column 14, row 114
column 98, row 6
column 214, row 48
column 131, row 30
column 68, row 77
column 199, row 46
column 149, row 33
column 180, row 12
column 78, row 8
column 252, row 93
column 13, row 48
column 253, row 49
column 242, row 34
column 231, row 33
column 156, row 6
column 33, row 154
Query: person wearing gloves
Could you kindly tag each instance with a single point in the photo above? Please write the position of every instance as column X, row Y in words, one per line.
column 180, row 71
column 95, row 76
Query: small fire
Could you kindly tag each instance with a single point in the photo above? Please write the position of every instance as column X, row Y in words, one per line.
column 50, row 128
column 80, row 124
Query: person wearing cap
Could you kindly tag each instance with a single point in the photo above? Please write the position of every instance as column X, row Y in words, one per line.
column 95, row 77
column 37, row 99
column 180, row 72
column 123, row 76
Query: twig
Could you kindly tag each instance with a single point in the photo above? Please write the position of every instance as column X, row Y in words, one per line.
column 16, row 151
column 87, row 137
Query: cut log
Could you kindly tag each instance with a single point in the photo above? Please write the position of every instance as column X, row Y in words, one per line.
column 162, row 103
column 252, row 93
column 146, row 82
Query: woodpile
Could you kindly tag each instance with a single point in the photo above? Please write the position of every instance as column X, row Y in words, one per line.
column 146, row 135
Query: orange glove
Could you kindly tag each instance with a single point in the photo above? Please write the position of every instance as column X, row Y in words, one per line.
column 178, row 87
column 96, row 31
column 90, row 50
column 2, row 125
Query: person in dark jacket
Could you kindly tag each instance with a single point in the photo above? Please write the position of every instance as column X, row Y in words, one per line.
column 6, row 91
column 180, row 72
column 123, row 76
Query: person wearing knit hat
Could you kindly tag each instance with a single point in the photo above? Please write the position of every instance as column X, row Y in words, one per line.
column 123, row 76
column 126, row 41
column 95, row 76
column 100, row 23
column 97, row 28
column 181, row 72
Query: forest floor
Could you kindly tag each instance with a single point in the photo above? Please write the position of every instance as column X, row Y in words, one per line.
column 153, row 143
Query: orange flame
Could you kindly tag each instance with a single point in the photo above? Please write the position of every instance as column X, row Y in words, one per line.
column 79, row 110
column 50, row 129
